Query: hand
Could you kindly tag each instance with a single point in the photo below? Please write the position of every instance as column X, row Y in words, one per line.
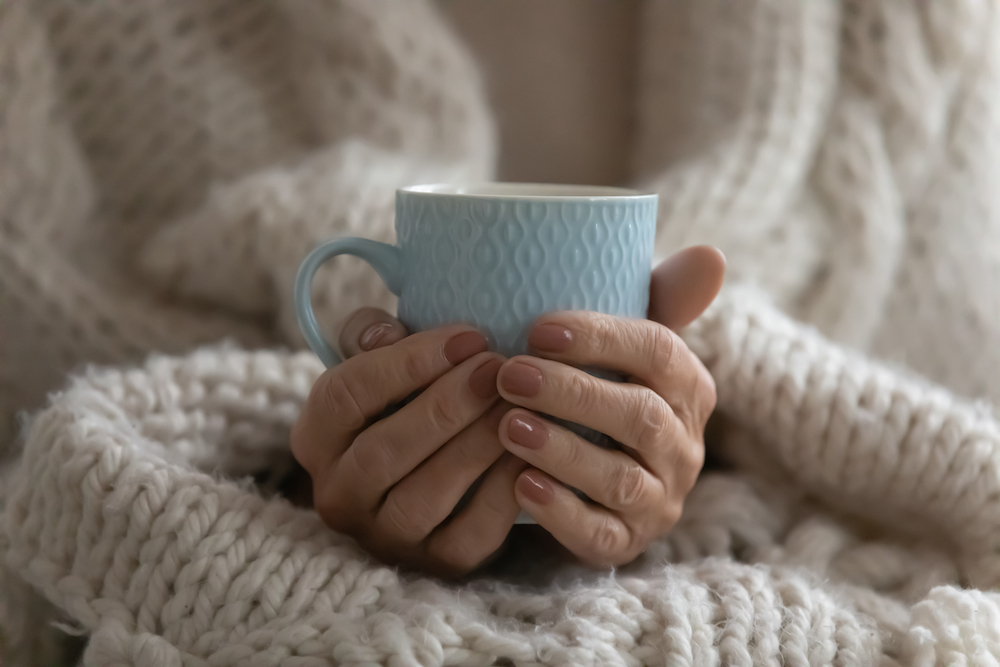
column 658, row 416
column 392, row 481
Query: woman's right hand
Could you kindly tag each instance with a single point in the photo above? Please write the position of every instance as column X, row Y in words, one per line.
column 392, row 482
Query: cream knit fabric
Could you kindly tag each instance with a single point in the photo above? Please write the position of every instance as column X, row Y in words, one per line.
column 115, row 519
column 164, row 166
column 211, row 143
column 843, row 155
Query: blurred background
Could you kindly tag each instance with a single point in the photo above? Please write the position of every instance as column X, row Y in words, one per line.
column 561, row 77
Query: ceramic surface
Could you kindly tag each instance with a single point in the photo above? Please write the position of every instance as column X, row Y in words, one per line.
column 500, row 255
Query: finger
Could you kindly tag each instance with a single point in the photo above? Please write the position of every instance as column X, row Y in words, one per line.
column 345, row 398
column 422, row 500
column 390, row 449
column 632, row 414
column 367, row 329
column 594, row 534
column 480, row 529
column 685, row 284
column 645, row 350
column 610, row 478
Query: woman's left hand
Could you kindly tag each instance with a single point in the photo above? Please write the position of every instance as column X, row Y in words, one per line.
column 658, row 415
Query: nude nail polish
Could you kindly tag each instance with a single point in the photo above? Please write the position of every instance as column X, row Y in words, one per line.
column 527, row 432
column 463, row 346
column 373, row 334
column 521, row 379
column 535, row 488
column 550, row 338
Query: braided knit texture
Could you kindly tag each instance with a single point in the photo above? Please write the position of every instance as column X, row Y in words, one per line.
column 128, row 513
column 165, row 166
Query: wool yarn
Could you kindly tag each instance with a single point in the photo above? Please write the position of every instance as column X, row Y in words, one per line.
column 129, row 513
column 164, row 167
column 843, row 156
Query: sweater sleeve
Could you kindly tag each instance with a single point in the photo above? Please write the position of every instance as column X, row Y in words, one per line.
column 389, row 99
column 732, row 103
column 839, row 154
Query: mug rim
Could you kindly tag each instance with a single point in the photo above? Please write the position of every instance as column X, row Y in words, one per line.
column 533, row 191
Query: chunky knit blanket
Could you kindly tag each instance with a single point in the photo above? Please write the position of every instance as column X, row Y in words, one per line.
column 865, row 533
column 165, row 166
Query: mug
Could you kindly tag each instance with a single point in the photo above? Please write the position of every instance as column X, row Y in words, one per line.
column 500, row 255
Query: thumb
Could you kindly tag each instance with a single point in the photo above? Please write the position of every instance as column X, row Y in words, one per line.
column 685, row 284
column 367, row 329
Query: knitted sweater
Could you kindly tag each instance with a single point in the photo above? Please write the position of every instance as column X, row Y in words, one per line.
column 164, row 167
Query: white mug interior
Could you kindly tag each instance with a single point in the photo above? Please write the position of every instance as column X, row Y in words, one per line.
column 525, row 190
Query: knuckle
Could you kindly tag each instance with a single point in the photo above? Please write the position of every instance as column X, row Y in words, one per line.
column 337, row 396
column 605, row 540
column 652, row 421
column 579, row 391
column 574, row 454
column 415, row 367
column 691, row 462
column 660, row 347
column 410, row 519
column 628, row 486
column 606, row 332
column 443, row 414
column 375, row 458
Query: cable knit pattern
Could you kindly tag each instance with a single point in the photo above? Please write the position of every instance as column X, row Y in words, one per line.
column 165, row 166
column 843, row 156
column 868, row 439
column 198, row 150
column 160, row 159
column 128, row 513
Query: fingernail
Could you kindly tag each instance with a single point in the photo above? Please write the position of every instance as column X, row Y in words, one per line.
column 550, row 338
column 527, row 432
column 521, row 379
column 483, row 381
column 373, row 334
column 464, row 346
column 535, row 488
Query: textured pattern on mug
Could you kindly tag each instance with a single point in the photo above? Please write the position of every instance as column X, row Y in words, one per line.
column 522, row 259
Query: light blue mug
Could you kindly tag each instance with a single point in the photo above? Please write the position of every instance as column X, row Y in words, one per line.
column 499, row 255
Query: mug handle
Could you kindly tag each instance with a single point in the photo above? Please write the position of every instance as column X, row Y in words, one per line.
column 386, row 259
